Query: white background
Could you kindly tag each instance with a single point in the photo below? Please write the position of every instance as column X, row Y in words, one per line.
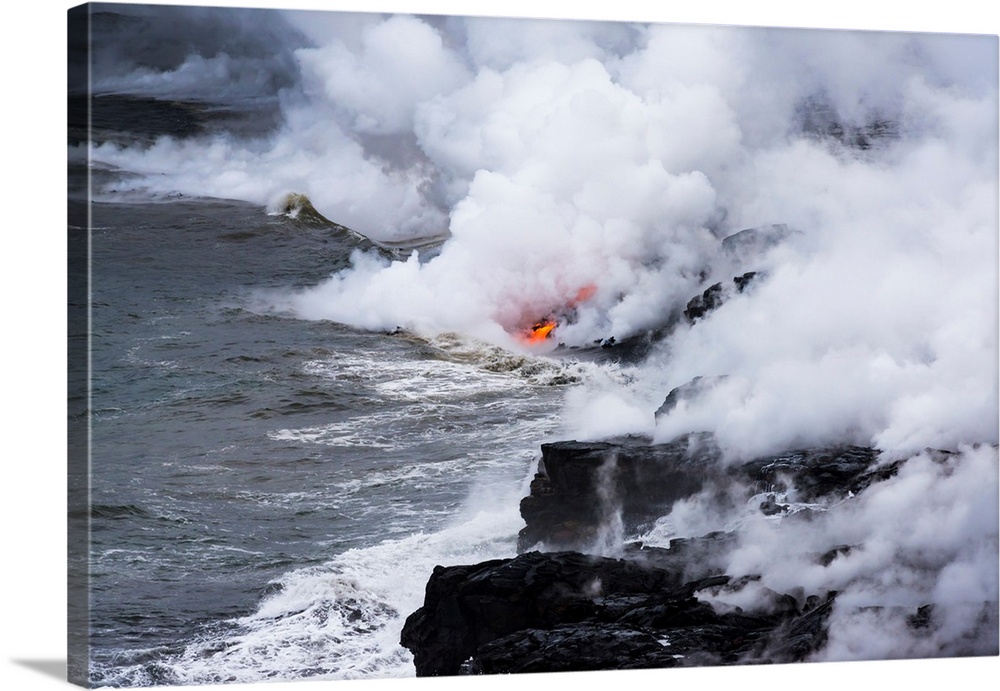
column 33, row 352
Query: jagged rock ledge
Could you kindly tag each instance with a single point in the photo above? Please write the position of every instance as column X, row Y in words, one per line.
column 566, row 611
column 583, row 489
column 556, row 608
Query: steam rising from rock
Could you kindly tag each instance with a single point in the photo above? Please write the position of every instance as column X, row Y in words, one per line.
column 560, row 155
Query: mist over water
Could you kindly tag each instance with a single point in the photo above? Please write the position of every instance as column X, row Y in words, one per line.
column 587, row 173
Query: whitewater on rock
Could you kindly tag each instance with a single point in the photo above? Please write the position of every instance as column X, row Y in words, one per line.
column 480, row 345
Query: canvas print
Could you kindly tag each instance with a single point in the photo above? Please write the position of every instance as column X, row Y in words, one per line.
column 422, row 345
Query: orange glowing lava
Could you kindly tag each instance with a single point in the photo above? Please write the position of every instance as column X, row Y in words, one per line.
column 540, row 331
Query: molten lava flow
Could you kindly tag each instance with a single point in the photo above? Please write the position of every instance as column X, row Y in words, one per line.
column 540, row 331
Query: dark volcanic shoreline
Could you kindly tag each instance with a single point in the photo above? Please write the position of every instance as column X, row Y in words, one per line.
column 561, row 606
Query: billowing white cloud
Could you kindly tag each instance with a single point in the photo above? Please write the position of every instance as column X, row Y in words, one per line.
column 401, row 63
column 587, row 172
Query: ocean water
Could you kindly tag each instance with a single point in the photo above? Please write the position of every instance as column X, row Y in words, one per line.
column 292, row 421
column 271, row 490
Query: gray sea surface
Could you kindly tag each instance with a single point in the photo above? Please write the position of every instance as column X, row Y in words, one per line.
column 232, row 447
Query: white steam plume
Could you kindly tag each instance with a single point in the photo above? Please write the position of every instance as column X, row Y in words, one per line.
column 586, row 172
column 590, row 170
